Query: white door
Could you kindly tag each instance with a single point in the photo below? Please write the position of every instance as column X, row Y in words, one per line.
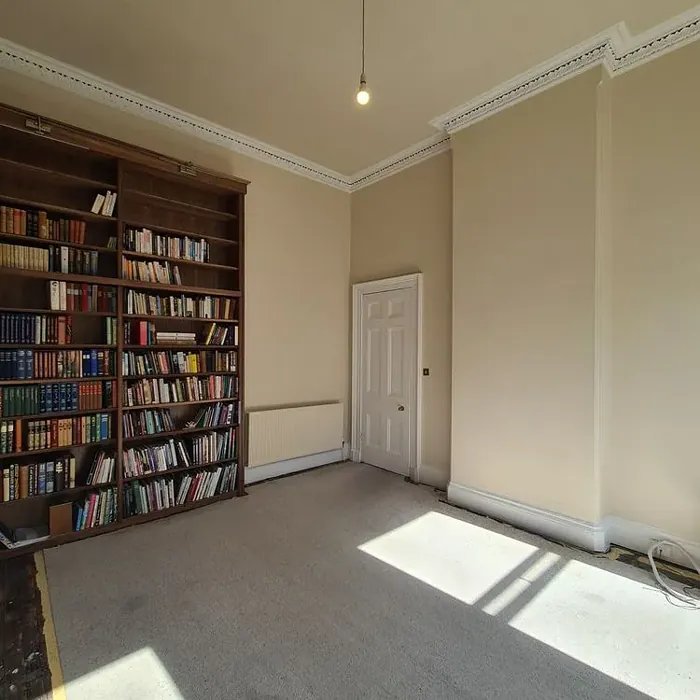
column 388, row 378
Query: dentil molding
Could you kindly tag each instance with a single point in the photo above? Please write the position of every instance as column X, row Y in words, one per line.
column 615, row 49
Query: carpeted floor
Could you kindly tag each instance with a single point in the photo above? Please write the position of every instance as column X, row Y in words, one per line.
column 347, row 582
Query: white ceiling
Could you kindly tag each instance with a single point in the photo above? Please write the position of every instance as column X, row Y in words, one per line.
column 285, row 71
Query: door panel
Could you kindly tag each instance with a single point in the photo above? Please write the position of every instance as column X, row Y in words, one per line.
column 388, row 378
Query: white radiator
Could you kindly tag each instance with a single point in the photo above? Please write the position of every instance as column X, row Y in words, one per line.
column 280, row 434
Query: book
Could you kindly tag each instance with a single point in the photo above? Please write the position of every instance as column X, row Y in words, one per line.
column 98, row 203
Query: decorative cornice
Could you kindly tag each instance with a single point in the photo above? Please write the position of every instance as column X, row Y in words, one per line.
column 614, row 48
column 400, row 161
column 35, row 65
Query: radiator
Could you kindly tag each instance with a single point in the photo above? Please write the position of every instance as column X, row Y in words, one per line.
column 280, row 434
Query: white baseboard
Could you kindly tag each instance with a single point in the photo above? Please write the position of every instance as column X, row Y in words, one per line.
column 290, row 466
column 590, row 536
column 639, row 537
column 434, row 476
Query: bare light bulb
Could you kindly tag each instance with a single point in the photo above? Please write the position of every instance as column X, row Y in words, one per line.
column 362, row 96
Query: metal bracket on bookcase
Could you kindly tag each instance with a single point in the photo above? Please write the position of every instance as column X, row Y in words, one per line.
column 37, row 125
column 188, row 169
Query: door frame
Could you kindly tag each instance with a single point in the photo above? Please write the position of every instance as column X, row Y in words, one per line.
column 412, row 282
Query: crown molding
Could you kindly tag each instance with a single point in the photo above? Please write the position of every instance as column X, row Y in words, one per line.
column 615, row 49
column 427, row 148
column 48, row 70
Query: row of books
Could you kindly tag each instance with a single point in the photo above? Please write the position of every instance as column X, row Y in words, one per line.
column 57, row 398
column 216, row 415
column 10, row 436
column 51, row 259
column 183, row 247
column 79, row 296
column 65, row 432
column 145, row 333
column 110, row 330
column 104, row 203
column 35, row 329
column 103, row 469
column 178, row 362
column 73, row 261
column 143, row 392
column 36, row 224
column 151, row 271
column 216, row 334
column 150, row 459
column 27, row 480
column 168, row 492
column 56, row 364
column 99, row 508
column 180, row 305
column 147, row 422
column 212, row 447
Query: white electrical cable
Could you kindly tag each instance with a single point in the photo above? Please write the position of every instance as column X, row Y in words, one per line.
column 691, row 600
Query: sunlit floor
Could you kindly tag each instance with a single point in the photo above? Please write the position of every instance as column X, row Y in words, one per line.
column 347, row 582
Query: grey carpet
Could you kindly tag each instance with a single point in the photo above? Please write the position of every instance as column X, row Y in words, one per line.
column 270, row 597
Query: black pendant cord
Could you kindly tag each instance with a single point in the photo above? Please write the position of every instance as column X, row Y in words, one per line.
column 363, row 40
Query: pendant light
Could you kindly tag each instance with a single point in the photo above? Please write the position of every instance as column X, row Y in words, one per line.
column 362, row 96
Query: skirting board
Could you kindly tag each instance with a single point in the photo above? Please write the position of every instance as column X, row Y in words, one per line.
column 290, row 466
column 594, row 537
column 434, row 476
column 640, row 537
column 556, row 526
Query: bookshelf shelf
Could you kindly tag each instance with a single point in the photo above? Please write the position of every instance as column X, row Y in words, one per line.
column 168, row 289
column 56, row 346
column 179, row 470
column 66, row 277
column 182, row 206
column 48, row 380
column 54, row 174
column 79, row 214
column 175, row 375
column 190, row 319
column 179, row 403
column 62, row 448
column 178, row 433
column 50, row 312
column 62, row 176
column 182, row 233
column 16, row 238
column 63, row 492
column 134, row 519
column 179, row 346
column 179, row 261
column 60, row 414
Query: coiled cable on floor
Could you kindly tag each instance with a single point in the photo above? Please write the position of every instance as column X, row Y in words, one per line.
column 686, row 598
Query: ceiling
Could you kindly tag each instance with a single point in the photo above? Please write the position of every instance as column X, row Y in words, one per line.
column 285, row 71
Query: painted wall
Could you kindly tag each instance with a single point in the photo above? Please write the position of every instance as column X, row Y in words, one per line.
column 402, row 225
column 523, row 296
column 297, row 252
column 654, row 474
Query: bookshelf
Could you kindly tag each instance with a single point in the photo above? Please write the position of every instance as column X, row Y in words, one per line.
column 121, row 390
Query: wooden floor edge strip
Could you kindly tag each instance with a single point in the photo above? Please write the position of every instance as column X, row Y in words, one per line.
column 57, row 686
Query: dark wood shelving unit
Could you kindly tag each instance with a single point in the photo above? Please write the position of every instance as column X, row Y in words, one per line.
column 175, row 433
column 62, row 380
column 61, row 176
column 177, row 261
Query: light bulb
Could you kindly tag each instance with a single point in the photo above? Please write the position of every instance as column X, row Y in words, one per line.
column 362, row 96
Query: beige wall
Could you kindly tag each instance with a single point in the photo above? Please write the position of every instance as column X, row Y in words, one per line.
column 297, row 252
column 523, row 360
column 401, row 225
column 654, row 472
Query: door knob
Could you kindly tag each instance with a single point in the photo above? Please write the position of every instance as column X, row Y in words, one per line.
column 401, row 408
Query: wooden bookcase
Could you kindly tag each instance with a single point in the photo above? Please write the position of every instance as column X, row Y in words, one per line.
column 50, row 167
